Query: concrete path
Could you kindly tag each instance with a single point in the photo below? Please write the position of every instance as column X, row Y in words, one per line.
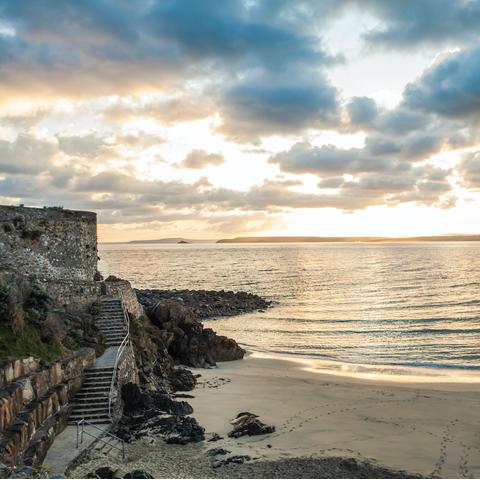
column 107, row 359
column 64, row 448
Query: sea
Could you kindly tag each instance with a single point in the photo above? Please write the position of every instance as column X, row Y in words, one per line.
column 356, row 308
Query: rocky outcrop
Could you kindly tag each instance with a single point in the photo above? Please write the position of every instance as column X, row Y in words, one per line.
column 246, row 423
column 206, row 303
column 186, row 339
column 154, row 414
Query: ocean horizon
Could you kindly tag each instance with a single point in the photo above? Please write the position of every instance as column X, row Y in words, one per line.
column 356, row 307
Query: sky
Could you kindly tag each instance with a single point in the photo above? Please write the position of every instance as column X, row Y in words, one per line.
column 212, row 119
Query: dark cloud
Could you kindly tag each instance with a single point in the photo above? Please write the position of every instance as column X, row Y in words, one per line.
column 451, row 87
column 362, row 111
column 254, row 108
column 408, row 23
column 329, row 160
column 106, row 47
column 198, row 159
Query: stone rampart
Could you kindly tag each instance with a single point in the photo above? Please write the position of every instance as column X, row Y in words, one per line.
column 49, row 242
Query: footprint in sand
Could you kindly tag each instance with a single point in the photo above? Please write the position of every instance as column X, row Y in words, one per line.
column 213, row 382
column 446, row 438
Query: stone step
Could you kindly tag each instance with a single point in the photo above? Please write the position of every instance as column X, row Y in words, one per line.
column 99, row 370
column 93, row 384
column 85, row 402
column 93, row 389
column 96, row 378
column 90, row 411
column 102, row 418
column 100, row 375
column 111, row 323
column 93, row 397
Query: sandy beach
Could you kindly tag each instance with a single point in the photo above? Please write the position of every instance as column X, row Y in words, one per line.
column 431, row 429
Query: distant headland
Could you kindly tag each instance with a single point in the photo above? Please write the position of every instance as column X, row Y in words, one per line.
column 431, row 238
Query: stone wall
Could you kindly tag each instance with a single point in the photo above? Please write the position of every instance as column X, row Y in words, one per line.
column 72, row 294
column 29, row 404
column 49, row 242
column 123, row 289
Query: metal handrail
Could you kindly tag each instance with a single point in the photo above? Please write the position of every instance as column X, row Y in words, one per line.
column 118, row 357
column 82, row 422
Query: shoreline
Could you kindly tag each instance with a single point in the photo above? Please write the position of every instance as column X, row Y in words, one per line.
column 389, row 374
column 426, row 428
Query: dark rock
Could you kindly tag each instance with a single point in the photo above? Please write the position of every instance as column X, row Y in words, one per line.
column 178, row 315
column 189, row 342
column 247, row 423
column 215, row 438
column 104, row 472
column 138, row 474
column 135, row 399
column 238, row 459
column 205, row 303
column 172, row 428
column 217, row 451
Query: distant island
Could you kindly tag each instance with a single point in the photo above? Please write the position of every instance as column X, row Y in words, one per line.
column 172, row 240
column 432, row 238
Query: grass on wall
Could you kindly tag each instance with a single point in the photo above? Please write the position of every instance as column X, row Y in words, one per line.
column 25, row 343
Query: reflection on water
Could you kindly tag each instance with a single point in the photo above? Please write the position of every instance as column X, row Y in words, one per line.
column 369, row 304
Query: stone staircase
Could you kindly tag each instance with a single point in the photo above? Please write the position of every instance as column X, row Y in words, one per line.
column 111, row 322
column 91, row 402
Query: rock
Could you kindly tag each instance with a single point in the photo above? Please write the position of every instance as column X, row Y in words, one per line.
column 246, row 423
column 238, row 459
column 136, row 400
column 138, row 474
column 104, row 472
column 215, row 438
column 217, row 451
column 179, row 315
column 172, row 428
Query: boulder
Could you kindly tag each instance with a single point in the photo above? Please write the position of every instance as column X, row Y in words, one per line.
column 246, row 423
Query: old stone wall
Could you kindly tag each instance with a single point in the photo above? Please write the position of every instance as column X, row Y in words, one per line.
column 123, row 289
column 29, row 403
column 49, row 242
column 72, row 294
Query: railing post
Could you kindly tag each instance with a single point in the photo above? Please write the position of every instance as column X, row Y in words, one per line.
column 77, row 432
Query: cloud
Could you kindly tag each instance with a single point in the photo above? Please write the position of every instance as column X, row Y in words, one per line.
column 26, row 154
column 198, row 159
column 362, row 110
column 469, row 168
column 328, row 160
column 168, row 110
column 82, row 145
column 410, row 23
column 262, row 107
column 450, row 87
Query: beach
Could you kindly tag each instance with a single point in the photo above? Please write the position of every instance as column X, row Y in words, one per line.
column 429, row 428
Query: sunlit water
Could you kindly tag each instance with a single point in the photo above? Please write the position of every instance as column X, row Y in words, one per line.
column 353, row 304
